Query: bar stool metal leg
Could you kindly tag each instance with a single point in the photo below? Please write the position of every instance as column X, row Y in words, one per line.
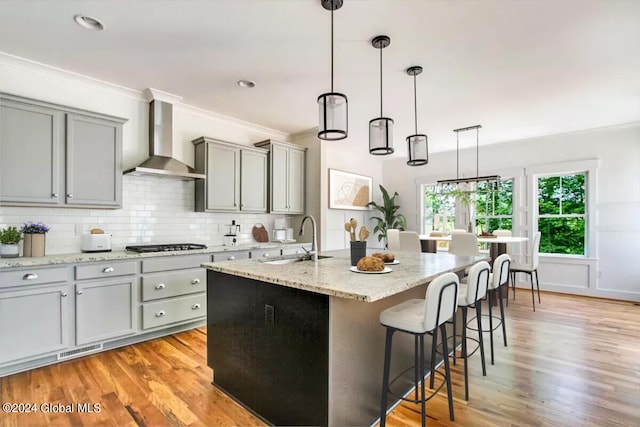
column 447, row 369
column 464, row 353
column 479, row 321
column 504, row 327
column 385, row 376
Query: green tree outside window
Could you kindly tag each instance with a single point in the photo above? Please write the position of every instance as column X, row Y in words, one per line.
column 561, row 214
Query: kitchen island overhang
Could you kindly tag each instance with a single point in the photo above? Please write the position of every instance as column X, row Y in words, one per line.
column 301, row 343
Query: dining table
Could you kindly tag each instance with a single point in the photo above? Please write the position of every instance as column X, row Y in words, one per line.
column 497, row 244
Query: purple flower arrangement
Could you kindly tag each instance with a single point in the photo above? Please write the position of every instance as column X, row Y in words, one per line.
column 34, row 228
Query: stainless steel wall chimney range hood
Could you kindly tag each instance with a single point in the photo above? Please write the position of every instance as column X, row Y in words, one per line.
column 160, row 163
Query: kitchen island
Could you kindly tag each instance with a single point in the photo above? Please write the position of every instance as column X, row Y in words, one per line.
column 301, row 343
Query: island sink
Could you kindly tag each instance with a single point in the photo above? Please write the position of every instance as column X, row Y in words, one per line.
column 290, row 260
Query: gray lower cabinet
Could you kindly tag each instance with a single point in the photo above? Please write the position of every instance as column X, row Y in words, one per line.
column 60, row 156
column 173, row 290
column 33, row 322
column 105, row 310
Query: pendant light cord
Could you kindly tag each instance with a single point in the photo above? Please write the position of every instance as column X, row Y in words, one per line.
column 457, row 154
column 415, row 105
column 331, row 46
column 380, row 80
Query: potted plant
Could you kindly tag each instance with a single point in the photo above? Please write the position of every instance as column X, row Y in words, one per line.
column 390, row 218
column 34, row 238
column 9, row 242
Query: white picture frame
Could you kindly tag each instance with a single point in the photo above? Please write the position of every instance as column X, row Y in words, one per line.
column 349, row 190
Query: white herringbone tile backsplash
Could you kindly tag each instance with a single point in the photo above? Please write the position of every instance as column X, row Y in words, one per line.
column 154, row 210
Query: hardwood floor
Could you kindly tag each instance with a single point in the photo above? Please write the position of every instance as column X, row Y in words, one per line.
column 574, row 362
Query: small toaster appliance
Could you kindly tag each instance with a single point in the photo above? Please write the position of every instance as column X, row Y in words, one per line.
column 96, row 243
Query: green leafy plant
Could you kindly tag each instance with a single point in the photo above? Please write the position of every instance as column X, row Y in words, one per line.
column 10, row 235
column 389, row 218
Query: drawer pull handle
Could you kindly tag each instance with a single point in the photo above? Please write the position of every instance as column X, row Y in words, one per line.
column 30, row 276
column 54, row 195
column 195, row 281
column 160, row 313
column 160, row 286
column 70, row 196
column 195, row 307
column 298, row 251
column 231, row 258
column 79, row 292
column 107, row 270
column 265, row 255
column 63, row 294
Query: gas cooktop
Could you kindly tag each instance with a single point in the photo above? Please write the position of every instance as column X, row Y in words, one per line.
column 167, row 247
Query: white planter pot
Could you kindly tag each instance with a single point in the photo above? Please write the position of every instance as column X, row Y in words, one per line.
column 9, row 250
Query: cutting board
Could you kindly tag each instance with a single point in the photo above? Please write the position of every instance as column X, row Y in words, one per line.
column 260, row 233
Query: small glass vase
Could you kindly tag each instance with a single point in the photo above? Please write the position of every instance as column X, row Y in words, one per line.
column 34, row 244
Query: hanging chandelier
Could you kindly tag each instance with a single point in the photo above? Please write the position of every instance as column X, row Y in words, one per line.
column 418, row 144
column 333, row 108
column 474, row 179
column 381, row 128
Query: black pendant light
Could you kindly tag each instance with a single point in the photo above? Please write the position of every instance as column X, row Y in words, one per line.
column 418, row 143
column 333, row 109
column 381, row 128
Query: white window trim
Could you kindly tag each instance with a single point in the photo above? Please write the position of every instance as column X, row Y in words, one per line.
column 589, row 166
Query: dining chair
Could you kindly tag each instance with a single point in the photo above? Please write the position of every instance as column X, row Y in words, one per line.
column 410, row 241
column 457, row 231
column 464, row 244
column 530, row 267
column 393, row 239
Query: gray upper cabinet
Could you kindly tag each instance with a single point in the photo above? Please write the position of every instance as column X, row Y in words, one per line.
column 287, row 177
column 31, row 153
column 94, row 153
column 236, row 177
column 54, row 155
column 253, row 180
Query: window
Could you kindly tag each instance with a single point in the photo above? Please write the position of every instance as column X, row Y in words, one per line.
column 562, row 213
column 438, row 204
column 494, row 206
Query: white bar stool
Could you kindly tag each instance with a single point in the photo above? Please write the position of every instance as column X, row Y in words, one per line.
column 498, row 278
column 471, row 294
column 419, row 317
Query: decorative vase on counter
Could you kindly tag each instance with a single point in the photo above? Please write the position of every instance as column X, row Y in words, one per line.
column 358, row 250
column 34, row 244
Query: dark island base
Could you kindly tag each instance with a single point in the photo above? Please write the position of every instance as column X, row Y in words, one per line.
column 295, row 357
column 269, row 346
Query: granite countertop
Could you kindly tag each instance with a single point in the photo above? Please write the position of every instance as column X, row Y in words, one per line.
column 331, row 276
column 122, row 254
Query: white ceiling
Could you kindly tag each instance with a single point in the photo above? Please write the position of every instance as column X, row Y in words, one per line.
column 520, row 68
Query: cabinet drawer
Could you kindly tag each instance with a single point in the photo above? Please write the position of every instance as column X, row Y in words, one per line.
column 174, row 263
column 173, row 310
column 163, row 285
column 32, row 276
column 230, row 256
column 265, row 253
column 105, row 270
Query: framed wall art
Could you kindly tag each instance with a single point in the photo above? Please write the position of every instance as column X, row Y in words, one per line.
column 349, row 190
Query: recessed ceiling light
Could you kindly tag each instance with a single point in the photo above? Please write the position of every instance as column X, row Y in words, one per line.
column 88, row 22
column 247, row 84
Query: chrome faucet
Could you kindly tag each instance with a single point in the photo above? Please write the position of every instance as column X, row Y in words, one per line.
column 314, row 249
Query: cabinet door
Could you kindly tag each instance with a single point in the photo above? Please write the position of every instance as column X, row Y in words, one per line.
column 279, row 179
column 31, row 138
column 253, row 191
column 296, row 181
column 223, row 178
column 94, row 174
column 33, row 322
column 104, row 310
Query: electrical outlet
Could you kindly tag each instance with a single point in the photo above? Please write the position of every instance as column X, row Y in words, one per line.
column 599, row 274
column 81, row 229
